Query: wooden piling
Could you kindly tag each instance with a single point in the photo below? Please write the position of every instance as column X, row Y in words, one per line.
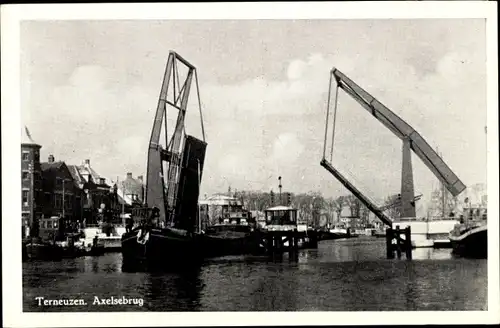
column 270, row 244
column 408, row 246
column 296, row 238
column 279, row 242
column 398, row 241
column 388, row 242
column 290, row 239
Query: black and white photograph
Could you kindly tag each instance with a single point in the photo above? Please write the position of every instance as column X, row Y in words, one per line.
column 307, row 161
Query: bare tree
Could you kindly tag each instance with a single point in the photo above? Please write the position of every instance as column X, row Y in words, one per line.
column 364, row 215
column 393, row 205
column 339, row 204
column 354, row 205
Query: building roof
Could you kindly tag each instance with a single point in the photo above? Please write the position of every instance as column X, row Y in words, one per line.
column 46, row 166
column 79, row 180
column 220, row 200
column 132, row 186
column 94, row 177
column 83, row 169
column 280, row 208
column 26, row 138
column 123, row 198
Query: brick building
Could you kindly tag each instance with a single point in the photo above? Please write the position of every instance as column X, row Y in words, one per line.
column 31, row 181
column 60, row 193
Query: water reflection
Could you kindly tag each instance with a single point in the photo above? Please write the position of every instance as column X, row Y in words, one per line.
column 348, row 275
column 276, row 288
column 173, row 291
column 431, row 254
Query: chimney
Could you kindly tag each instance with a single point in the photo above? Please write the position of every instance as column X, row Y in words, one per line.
column 87, row 162
column 129, row 175
column 102, row 181
column 51, row 159
column 140, row 178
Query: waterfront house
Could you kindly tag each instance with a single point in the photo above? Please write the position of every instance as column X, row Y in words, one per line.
column 31, row 182
column 95, row 194
column 59, row 190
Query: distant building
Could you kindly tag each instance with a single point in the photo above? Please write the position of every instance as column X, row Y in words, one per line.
column 217, row 208
column 31, row 181
column 95, row 194
column 132, row 189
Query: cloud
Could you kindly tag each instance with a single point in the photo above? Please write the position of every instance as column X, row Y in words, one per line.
column 265, row 127
column 437, row 104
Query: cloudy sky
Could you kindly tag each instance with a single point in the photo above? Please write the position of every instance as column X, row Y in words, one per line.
column 90, row 88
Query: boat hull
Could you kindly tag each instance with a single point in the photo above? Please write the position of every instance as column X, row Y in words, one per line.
column 160, row 248
column 473, row 243
column 42, row 251
column 214, row 245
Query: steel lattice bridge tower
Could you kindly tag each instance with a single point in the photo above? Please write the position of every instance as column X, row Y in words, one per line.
column 175, row 192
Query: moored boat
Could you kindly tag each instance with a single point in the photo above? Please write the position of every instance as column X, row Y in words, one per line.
column 471, row 241
column 470, row 237
column 229, row 239
column 234, row 234
column 339, row 232
column 155, row 246
column 37, row 249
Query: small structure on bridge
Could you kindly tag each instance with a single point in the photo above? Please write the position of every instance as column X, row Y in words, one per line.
column 283, row 233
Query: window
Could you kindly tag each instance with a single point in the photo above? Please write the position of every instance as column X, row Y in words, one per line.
column 67, row 202
column 57, row 201
column 37, row 156
column 25, row 175
column 49, row 224
column 26, row 156
column 25, row 197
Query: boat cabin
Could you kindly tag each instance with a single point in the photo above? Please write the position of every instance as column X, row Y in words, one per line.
column 50, row 227
column 475, row 213
column 281, row 218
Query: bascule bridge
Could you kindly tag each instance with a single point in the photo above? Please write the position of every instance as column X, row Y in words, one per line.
column 411, row 141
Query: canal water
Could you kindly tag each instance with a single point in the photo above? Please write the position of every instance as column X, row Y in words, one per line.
column 341, row 275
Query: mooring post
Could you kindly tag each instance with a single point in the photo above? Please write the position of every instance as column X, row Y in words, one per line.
column 270, row 242
column 388, row 242
column 408, row 243
column 313, row 239
column 294, row 251
column 398, row 241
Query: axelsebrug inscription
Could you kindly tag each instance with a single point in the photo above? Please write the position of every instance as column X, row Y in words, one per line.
column 97, row 301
